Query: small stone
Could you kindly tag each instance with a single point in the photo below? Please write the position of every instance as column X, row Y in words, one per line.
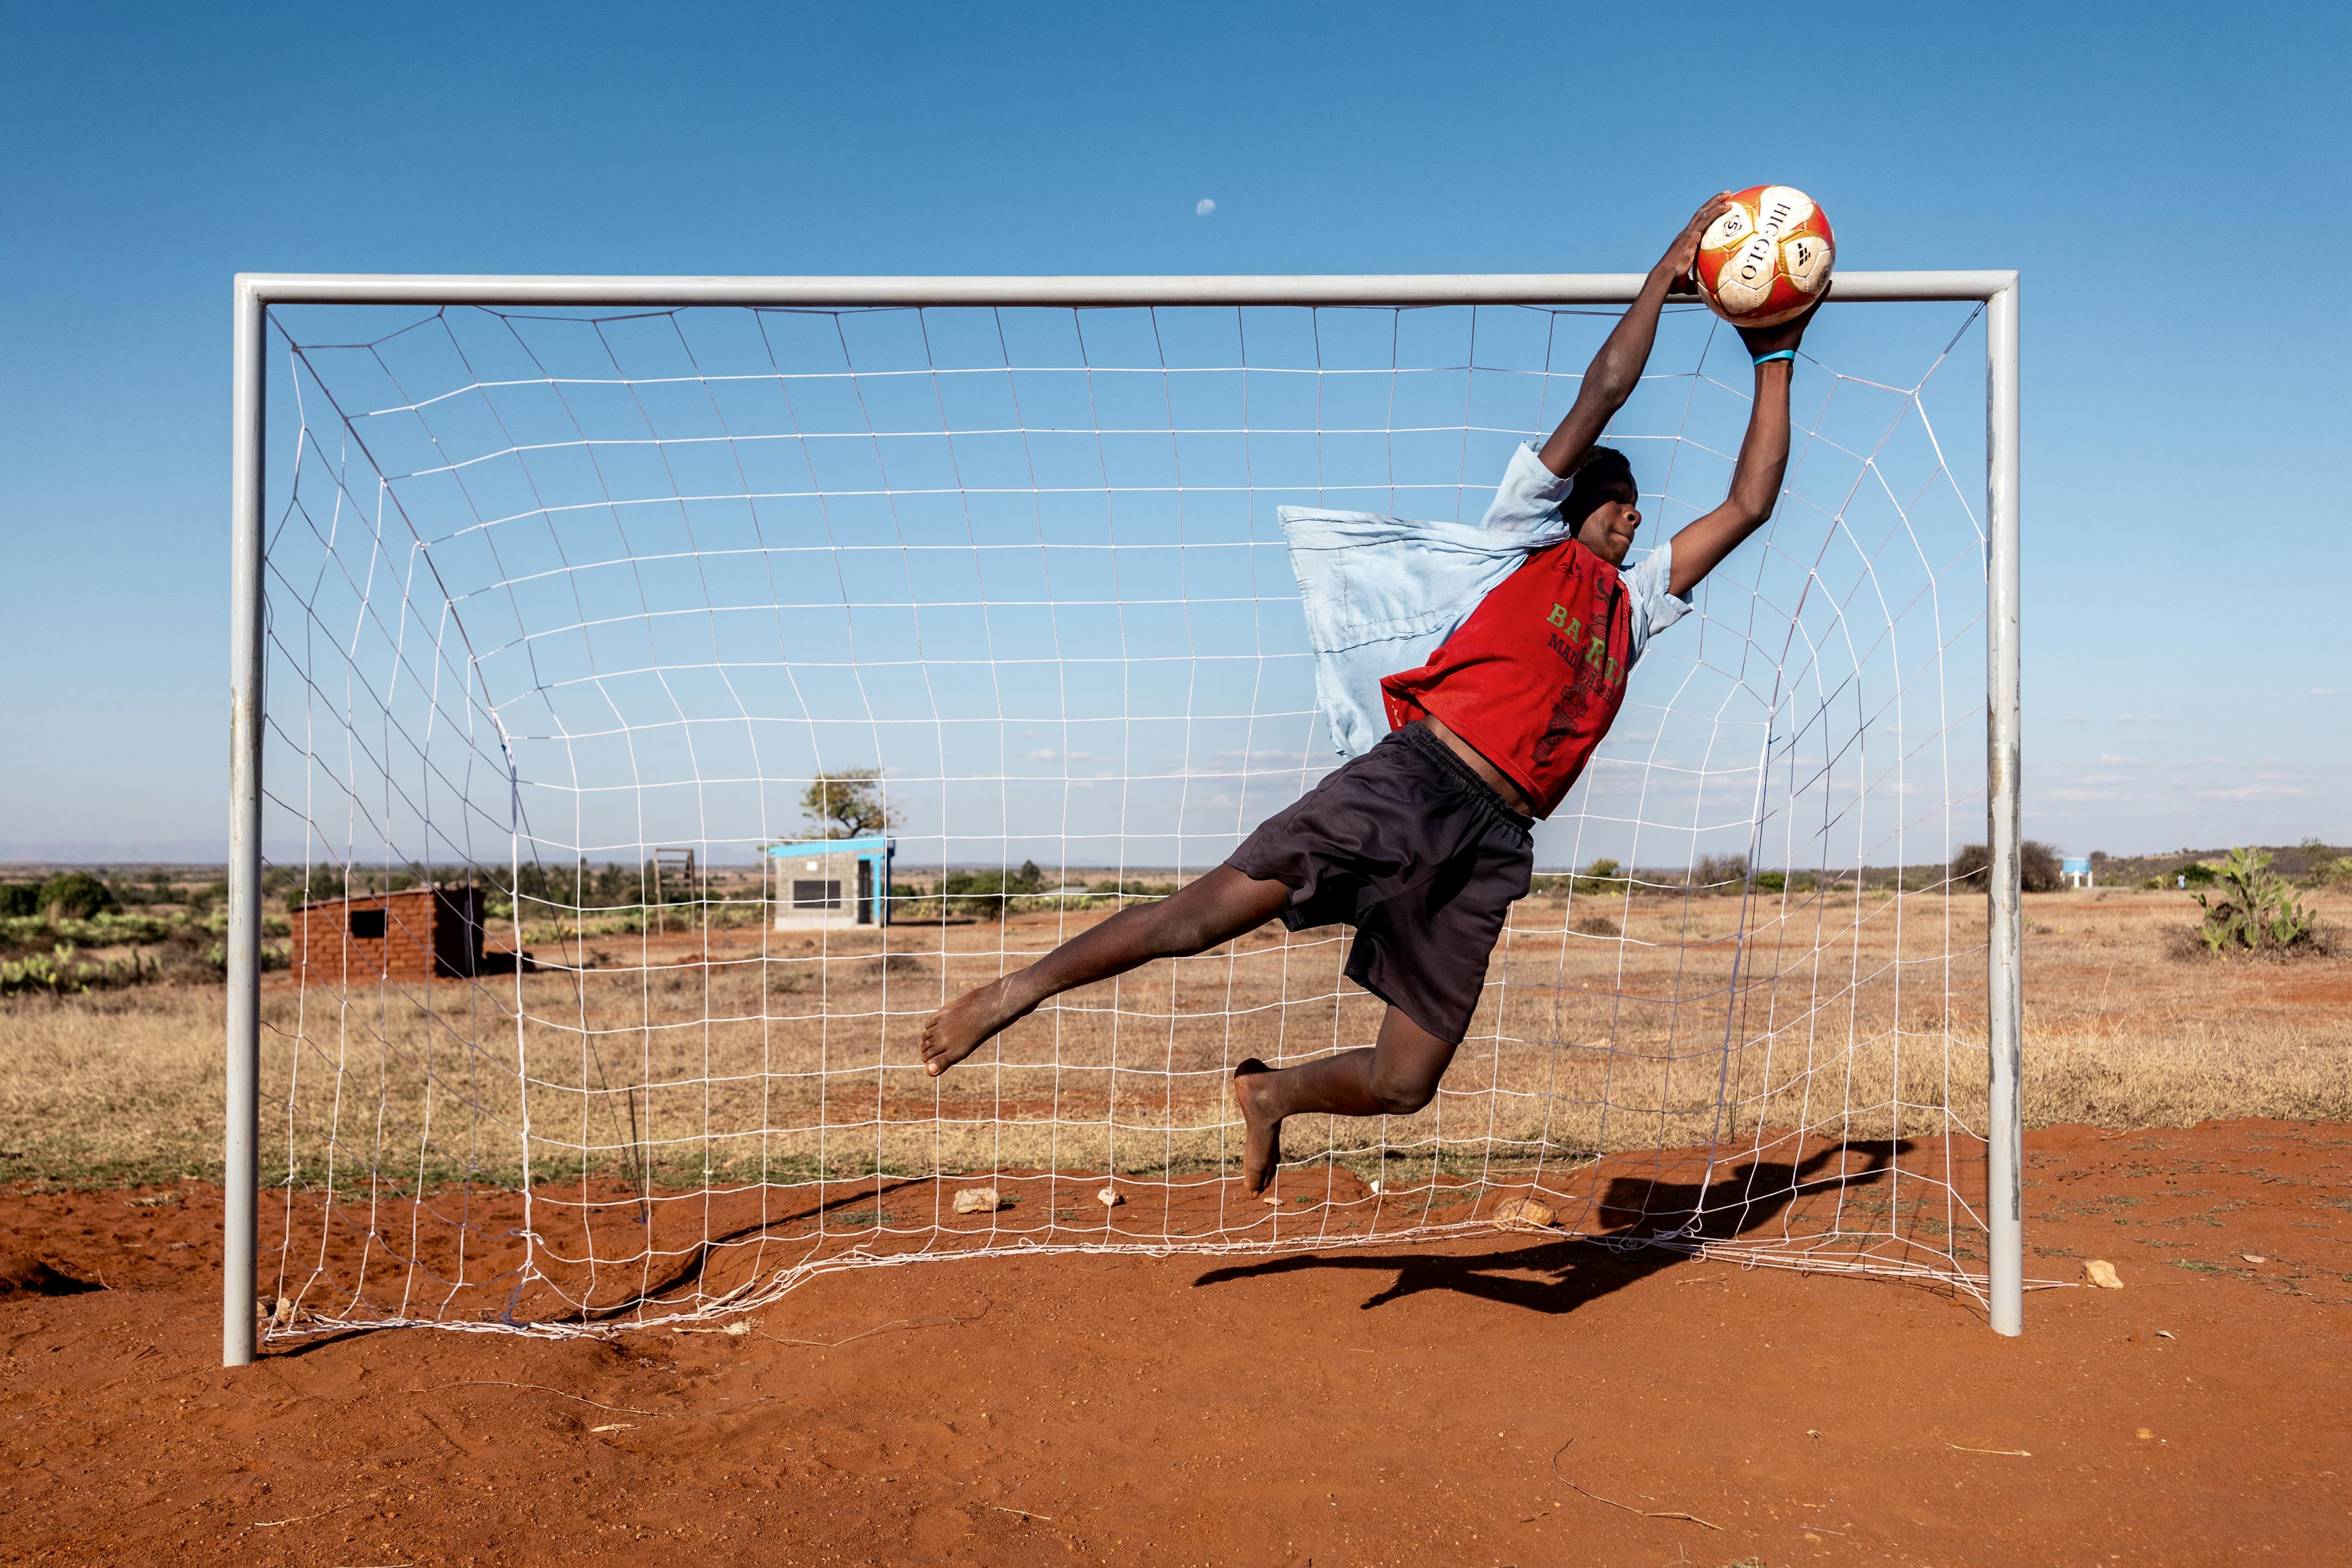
column 2254, row 1258
column 2164, row 1333
column 1524, row 1214
column 1110, row 1197
column 978, row 1200
column 1271, row 1201
column 2102, row 1273
column 2145, row 1434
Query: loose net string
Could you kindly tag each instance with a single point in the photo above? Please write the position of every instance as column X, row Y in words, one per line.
column 553, row 598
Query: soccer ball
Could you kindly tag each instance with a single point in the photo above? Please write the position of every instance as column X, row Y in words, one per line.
column 1767, row 258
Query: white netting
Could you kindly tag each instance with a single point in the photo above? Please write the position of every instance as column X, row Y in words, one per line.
column 551, row 593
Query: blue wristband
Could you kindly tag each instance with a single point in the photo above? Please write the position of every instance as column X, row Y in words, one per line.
column 1788, row 354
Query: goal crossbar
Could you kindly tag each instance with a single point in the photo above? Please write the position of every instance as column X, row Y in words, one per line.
column 1262, row 288
column 253, row 293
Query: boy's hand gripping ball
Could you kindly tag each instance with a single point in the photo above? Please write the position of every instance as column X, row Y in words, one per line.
column 1766, row 258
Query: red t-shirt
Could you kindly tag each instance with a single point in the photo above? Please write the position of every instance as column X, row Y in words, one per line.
column 1534, row 677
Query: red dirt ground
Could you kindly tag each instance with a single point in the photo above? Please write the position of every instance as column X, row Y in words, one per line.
column 459, row 1254
column 1499, row 1400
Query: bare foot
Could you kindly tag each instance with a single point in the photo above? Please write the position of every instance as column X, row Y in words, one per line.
column 964, row 1025
column 1261, row 1148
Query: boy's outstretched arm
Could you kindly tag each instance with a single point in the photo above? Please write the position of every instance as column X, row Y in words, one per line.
column 1763, row 460
column 1616, row 370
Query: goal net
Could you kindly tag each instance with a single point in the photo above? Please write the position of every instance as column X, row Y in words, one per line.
column 667, row 709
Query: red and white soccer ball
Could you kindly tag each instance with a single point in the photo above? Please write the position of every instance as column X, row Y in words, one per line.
column 1768, row 258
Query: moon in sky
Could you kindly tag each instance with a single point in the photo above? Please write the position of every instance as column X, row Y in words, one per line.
column 1204, row 206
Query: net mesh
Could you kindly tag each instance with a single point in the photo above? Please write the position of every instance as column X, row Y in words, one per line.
column 935, row 636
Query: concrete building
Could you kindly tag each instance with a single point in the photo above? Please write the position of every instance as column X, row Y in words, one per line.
column 828, row 884
column 417, row 934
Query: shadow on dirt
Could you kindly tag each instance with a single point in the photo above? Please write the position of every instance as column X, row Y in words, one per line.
column 690, row 1271
column 1563, row 1275
column 31, row 1277
column 685, row 1277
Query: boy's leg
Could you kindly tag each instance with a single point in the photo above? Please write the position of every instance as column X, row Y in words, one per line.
column 1199, row 915
column 1395, row 1077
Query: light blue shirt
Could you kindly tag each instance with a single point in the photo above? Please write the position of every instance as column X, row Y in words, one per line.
column 1381, row 592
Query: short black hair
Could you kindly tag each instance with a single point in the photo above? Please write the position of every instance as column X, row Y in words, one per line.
column 1604, row 469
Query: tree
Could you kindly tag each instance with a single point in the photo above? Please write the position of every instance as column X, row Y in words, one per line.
column 75, row 896
column 325, row 884
column 990, row 893
column 846, row 804
column 2038, row 866
column 1719, row 873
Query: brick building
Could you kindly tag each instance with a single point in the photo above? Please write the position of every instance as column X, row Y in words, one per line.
column 417, row 934
column 830, row 883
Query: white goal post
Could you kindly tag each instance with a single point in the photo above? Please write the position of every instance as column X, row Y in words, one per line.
column 258, row 294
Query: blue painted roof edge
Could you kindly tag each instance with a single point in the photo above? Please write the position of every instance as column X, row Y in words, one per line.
column 866, row 845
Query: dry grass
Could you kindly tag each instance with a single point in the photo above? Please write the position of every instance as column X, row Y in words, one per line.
column 2127, row 1026
column 112, row 1088
column 794, row 1060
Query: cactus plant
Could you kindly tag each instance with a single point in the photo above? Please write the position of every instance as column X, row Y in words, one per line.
column 2253, row 908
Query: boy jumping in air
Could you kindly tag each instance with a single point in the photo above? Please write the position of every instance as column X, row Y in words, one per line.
column 1422, row 842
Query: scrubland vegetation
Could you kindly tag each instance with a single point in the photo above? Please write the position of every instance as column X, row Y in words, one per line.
column 78, row 930
column 686, row 1050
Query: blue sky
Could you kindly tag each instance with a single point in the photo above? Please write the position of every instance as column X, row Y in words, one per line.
column 2164, row 179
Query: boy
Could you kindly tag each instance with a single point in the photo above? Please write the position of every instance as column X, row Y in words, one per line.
column 1422, row 842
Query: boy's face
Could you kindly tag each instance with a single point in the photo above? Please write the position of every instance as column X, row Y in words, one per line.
column 1608, row 530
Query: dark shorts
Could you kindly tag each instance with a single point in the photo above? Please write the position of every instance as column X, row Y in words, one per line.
column 1416, row 852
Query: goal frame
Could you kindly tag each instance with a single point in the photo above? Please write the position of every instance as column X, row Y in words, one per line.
column 253, row 293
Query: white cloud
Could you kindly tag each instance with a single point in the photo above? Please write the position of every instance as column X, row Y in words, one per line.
column 2086, row 794
column 2327, row 691
column 2251, row 791
column 2118, row 760
column 1204, row 206
column 2142, row 719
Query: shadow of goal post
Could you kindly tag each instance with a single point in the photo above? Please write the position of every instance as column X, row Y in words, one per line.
column 253, row 293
